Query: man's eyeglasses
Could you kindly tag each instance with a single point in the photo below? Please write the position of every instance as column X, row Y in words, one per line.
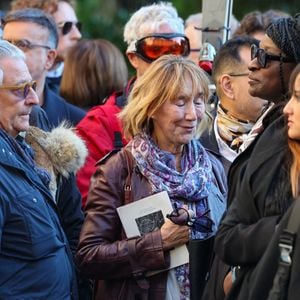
column 195, row 50
column 238, row 74
column 27, row 45
column 21, row 89
column 263, row 57
column 67, row 26
column 152, row 47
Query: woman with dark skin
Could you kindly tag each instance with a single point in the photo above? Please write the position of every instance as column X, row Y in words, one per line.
column 259, row 189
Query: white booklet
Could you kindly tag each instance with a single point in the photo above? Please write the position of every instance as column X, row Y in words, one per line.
column 148, row 214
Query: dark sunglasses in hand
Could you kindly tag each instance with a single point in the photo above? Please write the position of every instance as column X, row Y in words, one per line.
column 182, row 216
column 263, row 57
column 66, row 27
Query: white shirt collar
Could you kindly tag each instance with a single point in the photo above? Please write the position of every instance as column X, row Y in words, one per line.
column 224, row 149
column 57, row 72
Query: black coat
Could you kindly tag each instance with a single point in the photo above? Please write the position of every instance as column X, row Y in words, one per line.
column 58, row 110
column 209, row 142
column 260, row 197
column 259, row 282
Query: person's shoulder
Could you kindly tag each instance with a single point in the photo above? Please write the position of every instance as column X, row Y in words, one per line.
column 102, row 116
column 61, row 103
column 122, row 154
column 115, row 163
column 72, row 108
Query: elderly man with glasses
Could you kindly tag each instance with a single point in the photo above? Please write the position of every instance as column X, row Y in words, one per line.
column 63, row 13
column 151, row 32
column 35, row 258
column 35, row 33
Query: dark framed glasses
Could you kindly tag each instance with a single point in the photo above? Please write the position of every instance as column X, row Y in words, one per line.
column 152, row 47
column 263, row 57
column 27, row 45
column 238, row 74
column 22, row 90
column 67, row 26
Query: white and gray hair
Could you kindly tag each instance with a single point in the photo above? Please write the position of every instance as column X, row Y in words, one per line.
column 148, row 20
column 8, row 50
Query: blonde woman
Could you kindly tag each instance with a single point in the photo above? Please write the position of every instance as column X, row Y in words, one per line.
column 163, row 116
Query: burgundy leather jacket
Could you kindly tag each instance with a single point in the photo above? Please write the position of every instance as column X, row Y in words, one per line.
column 104, row 253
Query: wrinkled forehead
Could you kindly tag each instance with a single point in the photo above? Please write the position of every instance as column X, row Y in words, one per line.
column 14, row 70
column 64, row 13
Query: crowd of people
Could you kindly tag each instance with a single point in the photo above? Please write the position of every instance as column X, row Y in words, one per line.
column 80, row 140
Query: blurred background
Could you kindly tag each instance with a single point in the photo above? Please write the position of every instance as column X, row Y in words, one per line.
column 106, row 19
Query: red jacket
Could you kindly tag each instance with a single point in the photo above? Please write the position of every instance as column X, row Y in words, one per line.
column 97, row 129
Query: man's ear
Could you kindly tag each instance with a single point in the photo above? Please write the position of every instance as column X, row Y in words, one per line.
column 52, row 53
column 133, row 60
column 226, row 86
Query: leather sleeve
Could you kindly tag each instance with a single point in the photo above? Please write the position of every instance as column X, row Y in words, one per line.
column 103, row 250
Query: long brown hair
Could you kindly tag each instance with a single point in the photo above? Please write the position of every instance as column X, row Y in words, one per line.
column 94, row 69
column 294, row 145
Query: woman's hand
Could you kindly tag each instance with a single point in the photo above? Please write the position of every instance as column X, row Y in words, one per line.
column 173, row 235
column 227, row 284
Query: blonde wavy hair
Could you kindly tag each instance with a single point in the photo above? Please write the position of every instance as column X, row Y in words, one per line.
column 160, row 83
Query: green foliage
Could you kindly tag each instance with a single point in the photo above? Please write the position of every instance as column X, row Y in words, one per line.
column 106, row 19
column 103, row 19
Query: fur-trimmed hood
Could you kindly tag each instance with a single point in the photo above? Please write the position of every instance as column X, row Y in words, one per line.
column 60, row 151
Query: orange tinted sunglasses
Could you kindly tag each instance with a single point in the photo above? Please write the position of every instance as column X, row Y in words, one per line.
column 154, row 46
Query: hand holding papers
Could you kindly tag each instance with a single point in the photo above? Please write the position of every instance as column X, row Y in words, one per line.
column 148, row 214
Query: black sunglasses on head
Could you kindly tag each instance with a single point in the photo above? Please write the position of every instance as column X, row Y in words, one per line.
column 263, row 57
column 67, row 26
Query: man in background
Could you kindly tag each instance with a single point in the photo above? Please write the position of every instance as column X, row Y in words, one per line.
column 63, row 12
column 35, row 33
column 237, row 111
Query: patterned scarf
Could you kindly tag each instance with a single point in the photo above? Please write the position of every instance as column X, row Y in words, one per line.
column 232, row 129
column 190, row 187
column 256, row 129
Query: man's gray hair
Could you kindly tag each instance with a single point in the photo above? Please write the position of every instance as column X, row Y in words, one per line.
column 148, row 20
column 8, row 50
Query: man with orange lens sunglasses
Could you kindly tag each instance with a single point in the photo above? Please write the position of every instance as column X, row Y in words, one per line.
column 151, row 32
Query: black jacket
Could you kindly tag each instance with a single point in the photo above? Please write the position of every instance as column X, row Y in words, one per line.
column 58, row 110
column 258, row 282
column 261, row 194
column 209, row 142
